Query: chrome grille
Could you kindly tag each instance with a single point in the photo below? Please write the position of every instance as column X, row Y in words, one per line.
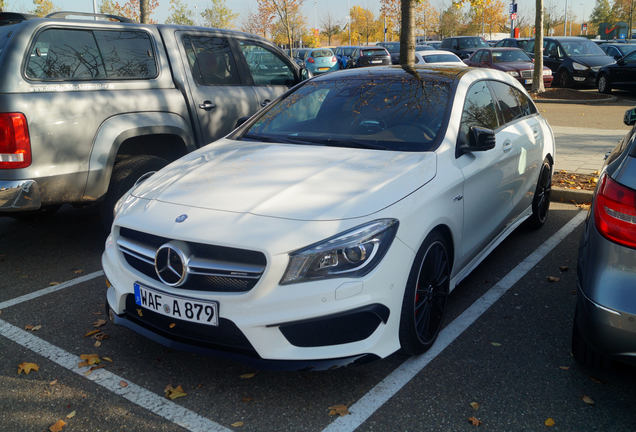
column 209, row 267
column 526, row 74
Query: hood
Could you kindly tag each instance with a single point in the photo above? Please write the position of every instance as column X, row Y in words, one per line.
column 591, row 61
column 514, row 66
column 301, row 182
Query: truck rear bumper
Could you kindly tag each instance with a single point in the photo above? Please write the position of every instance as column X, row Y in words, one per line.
column 19, row 195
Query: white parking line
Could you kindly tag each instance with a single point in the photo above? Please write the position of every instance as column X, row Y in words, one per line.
column 383, row 391
column 50, row 289
column 136, row 394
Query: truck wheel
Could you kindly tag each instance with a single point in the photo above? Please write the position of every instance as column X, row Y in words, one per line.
column 125, row 174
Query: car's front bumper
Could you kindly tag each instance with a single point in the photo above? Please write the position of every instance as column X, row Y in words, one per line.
column 585, row 77
column 19, row 196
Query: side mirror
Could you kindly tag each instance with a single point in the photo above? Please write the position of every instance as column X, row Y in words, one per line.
column 479, row 139
column 240, row 121
column 305, row 74
column 630, row 117
column 620, row 61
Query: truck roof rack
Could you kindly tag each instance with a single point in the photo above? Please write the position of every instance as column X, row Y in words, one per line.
column 7, row 18
column 65, row 14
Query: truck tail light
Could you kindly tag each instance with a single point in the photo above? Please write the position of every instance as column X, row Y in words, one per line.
column 615, row 212
column 15, row 146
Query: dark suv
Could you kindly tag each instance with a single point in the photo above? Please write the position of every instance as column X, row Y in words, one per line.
column 573, row 60
column 464, row 46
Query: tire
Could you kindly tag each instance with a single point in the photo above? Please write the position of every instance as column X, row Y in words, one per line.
column 541, row 199
column 564, row 79
column 604, row 85
column 583, row 353
column 425, row 295
column 125, row 174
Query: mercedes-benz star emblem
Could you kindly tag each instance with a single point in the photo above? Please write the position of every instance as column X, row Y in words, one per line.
column 181, row 218
column 171, row 264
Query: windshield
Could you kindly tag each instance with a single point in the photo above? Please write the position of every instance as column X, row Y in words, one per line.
column 322, row 53
column 471, row 42
column 581, row 47
column 526, row 45
column 509, row 56
column 374, row 52
column 399, row 113
column 441, row 58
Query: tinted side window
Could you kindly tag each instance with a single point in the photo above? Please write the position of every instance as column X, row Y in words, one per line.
column 211, row 60
column 511, row 106
column 630, row 58
column 477, row 57
column 127, row 54
column 479, row 110
column 266, row 67
column 59, row 55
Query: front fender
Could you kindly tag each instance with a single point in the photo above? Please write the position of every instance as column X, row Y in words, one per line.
column 117, row 129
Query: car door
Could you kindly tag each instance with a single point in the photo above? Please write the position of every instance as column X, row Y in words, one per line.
column 626, row 72
column 220, row 93
column 551, row 55
column 270, row 72
column 486, row 195
column 522, row 140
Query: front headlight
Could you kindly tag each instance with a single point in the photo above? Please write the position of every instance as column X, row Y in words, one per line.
column 353, row 253
column 579, row 66
column 513, row 73
column 547, row 72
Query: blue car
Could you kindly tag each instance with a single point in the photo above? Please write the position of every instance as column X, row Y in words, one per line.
column 321, row 60
column 343, row 54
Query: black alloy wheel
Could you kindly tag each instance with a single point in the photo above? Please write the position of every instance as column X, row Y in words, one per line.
column 604, row 85
column 564, row 79
column 425, row 296
column 541, row 200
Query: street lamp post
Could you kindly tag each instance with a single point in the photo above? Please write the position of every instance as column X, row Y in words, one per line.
column 565, row 23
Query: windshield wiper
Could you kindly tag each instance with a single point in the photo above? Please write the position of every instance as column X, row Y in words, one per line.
column 331, row 142
column 270, row 139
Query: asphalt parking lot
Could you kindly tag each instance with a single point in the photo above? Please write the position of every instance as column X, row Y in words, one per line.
column 505, row 346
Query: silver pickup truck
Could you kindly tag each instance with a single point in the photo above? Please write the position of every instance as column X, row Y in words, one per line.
column 89, row 106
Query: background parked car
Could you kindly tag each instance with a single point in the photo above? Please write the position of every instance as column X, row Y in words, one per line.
column 621, row 75
column 299, row 56
column 369, row 56
column 573, row 60
column 513, row 61
column 463, row 46
column 605, row 317
column 435, row 44
column 526, row 44
column 438, row 57
column 394, row 50
column 343, row 54
column 617, row 50
column 321, row 60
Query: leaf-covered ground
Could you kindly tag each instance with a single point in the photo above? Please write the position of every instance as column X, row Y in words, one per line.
column 571, row 180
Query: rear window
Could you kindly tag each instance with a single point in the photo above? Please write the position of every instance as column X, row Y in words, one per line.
column 509, row 56
column 322, row 53
column 80, row 55
column 441, row 58
column 471, row 42
column 374, row 52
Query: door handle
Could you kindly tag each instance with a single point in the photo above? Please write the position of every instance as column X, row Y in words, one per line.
column 265, row 102
column 507, row 146
column 207, row 105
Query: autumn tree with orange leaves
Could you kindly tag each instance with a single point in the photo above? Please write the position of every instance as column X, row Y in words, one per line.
column 132, row 9
column 285, row 13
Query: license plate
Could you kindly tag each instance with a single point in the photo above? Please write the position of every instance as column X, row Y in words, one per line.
column 323, row 68
column 376, row 61
column 183, row 308
column 528, row 81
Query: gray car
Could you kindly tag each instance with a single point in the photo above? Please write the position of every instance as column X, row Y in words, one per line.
column 605, row 318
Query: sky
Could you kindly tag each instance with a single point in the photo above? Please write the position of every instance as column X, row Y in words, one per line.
column 314, row 10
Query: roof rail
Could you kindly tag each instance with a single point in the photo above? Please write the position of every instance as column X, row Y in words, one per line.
column 7, row 18
column 65, row 14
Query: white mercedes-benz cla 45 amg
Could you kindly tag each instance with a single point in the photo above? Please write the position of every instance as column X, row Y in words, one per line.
column 330, row 227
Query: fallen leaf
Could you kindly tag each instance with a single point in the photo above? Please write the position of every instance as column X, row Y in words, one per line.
column 553, row 279
column 563, row 268
column 588, row 400
column 596, row 380
column 33, row 327
column 57, row 426
column 123, row 383
column 174, row 392
column 172, row 325
column 549, row 422
column 99, row 323
column 340, row 410
column 71, row 414
column 237, row 424
column 52, row 383
column 101, row 336
column 94, row 368
column 248, row 375
column 91, row 333
column 475, row 405
column 97, row 344
column 474, row 421
column 246, row 399
column 108, row 359
column 89, row 359
column 27, row 367
column 53, row 283
column 564, row 367
column 140, row 313
column 78, row 271
column 495, row 344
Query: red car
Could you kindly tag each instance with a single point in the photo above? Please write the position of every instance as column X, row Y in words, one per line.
column 513, row 61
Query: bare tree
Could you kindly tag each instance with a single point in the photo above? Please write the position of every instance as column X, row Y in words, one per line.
column 330, row 27
column 537, row 76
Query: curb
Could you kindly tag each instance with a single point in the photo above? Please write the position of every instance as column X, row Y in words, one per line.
column 559, row 194
column 610, row 98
